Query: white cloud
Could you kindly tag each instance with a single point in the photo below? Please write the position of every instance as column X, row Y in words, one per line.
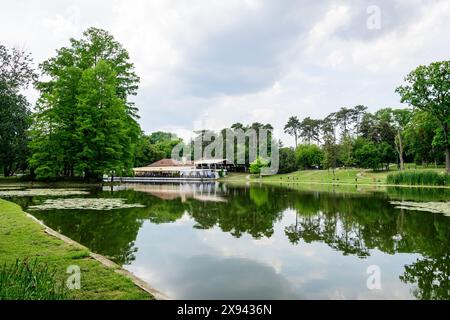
column 219, row 62
column 419, row 42
column 335, row 18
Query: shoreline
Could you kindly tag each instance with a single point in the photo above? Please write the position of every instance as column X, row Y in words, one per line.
column 270, row 181
column 75, row 249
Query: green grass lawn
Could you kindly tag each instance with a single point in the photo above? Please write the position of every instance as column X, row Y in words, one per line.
column 341, row 176
column 22, row 238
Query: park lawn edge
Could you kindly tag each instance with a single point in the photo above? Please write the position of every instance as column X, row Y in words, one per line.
column 24, row 237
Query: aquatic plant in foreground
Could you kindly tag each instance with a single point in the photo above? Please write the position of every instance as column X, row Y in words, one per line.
column 42, row 192
column 85, row 204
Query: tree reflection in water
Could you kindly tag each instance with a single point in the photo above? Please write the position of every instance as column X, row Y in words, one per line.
column 353, row 224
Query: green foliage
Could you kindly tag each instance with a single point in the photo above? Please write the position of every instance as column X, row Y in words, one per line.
column 257, row 165
column 15, row 74
column 154, row 147
column 15, row 120
column 421, row 138
column 427, row 88
column 104, row 130
column 310, row 130
column 146, row 152
column 287, row 161
column 84, row 124
column 345, row 152
column 23, row 280
column 329, row 146
column 386, row 154
column 372, row 155
column 429, row 178
column 309, row 156
column 209, row 140
column 367, row 156
column 293, row 127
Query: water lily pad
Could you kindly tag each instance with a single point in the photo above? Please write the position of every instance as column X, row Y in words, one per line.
column 435, row 207
column 4, row 188
column 42, row 192
column 85, row 204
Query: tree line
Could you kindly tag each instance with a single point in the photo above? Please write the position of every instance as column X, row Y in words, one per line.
column 354, row 137
column 85, row 124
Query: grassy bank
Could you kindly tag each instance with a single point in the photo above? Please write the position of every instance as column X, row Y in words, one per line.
column 22, row 238
column 340, row 176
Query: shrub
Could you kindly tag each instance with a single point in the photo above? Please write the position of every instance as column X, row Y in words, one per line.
column 309, row 156
column 257, row 165
column 429, row 178
column 288, row 162
column 29, row 281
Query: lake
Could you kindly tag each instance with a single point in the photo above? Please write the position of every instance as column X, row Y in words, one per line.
column 222, row 241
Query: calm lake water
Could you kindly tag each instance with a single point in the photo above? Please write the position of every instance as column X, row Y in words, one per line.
column 208, row 241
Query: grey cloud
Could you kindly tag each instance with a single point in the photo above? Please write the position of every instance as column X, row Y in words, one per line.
column 234, row 67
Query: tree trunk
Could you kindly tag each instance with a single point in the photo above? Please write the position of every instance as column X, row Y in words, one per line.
column 447, row 158
column 295, row 141
column 7, row 170
column 447, row 148
column 399, row 144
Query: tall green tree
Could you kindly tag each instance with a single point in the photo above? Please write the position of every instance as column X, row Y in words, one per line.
column 104, row 130
column 67, row 127
column 401, row 118
column 16, row 73
column 357, row 115
column 391, row 125
column 344, row 118
column 293, row 128
column 428, row 89
column 420, row 142
column 329, row 142
column 15, row 120
column 310, row 130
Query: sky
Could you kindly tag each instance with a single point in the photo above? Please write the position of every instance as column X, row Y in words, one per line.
column 209, row 64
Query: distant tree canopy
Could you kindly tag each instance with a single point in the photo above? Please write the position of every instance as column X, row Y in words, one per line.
column 293, row 127
column 288, row 161
column 84, row 124
column 156, row 146
column 352, row 136
column 309, row 156
column 236, row 150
